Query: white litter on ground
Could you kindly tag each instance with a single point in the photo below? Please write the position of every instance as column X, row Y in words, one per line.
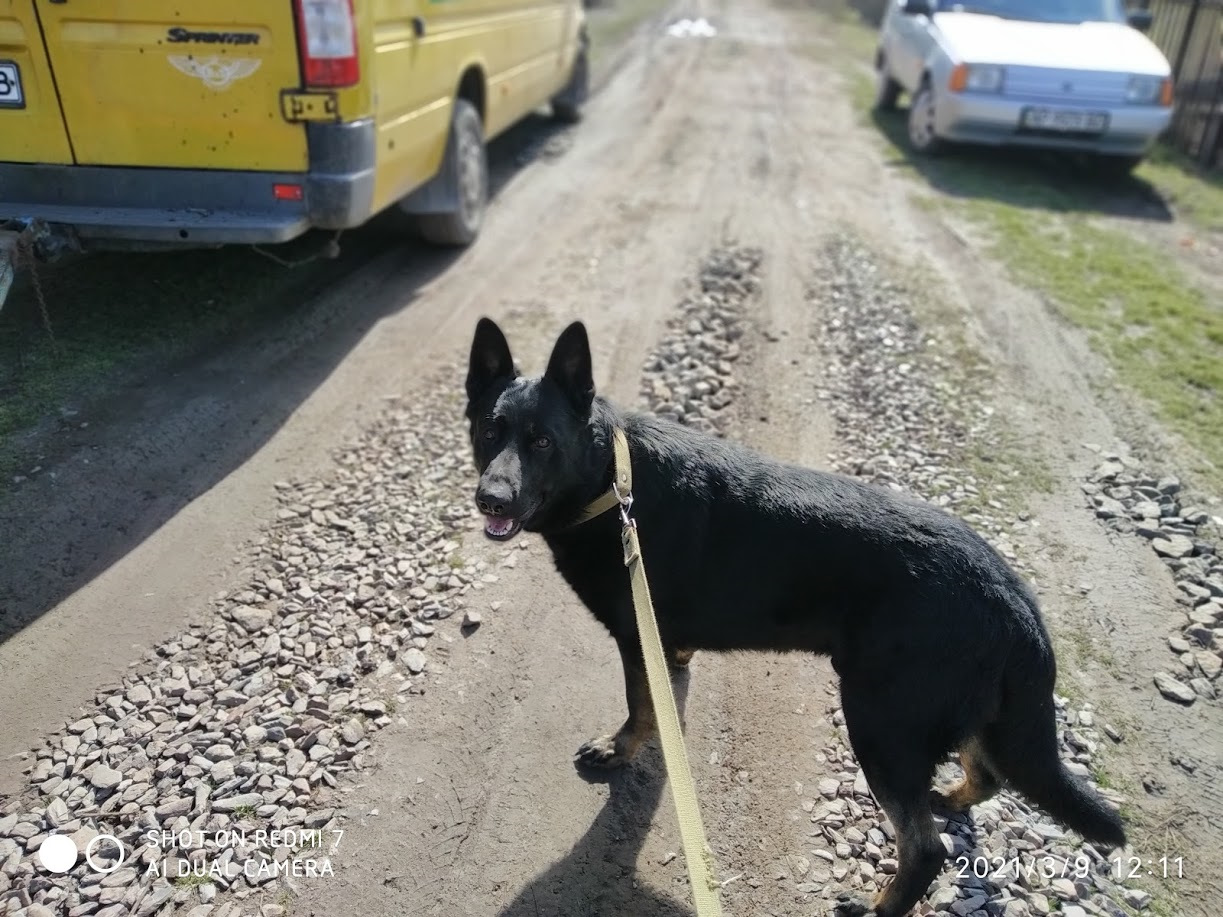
column 691, row 28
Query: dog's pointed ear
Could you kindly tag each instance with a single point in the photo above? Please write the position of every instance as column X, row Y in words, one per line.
column 490, row 359
column 570, row 367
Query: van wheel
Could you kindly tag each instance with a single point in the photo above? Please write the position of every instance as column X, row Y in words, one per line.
column 567, row 104
column 466, row 163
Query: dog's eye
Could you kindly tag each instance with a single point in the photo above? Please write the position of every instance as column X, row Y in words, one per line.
column 542, row 442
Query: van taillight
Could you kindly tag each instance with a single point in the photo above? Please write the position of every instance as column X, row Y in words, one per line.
column 327, row 41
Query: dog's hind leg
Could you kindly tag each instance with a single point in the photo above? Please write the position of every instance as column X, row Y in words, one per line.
column 616, row 750
column 979, row 784
column 899, row 766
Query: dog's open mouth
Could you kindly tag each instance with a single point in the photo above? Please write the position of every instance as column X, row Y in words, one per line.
column 501, row 528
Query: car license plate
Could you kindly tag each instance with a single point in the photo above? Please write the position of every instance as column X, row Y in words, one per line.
column 11, row 95
column 1061, row 119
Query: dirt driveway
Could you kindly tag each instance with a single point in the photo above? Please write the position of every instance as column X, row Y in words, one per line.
column 253, row 593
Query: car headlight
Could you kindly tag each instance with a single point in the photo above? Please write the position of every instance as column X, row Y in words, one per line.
column 977, row 78
column 1148, row 90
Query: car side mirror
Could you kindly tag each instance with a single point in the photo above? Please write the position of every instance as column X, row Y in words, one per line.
column 918, row 8
column 1140, row 19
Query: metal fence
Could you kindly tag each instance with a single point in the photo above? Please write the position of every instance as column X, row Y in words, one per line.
column 1190, row 33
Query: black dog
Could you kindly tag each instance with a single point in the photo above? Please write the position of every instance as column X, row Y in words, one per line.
column 939, row 645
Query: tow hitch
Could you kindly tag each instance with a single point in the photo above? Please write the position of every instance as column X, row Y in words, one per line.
column 23, row 242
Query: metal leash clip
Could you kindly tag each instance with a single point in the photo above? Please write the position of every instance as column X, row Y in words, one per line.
column 626, row 504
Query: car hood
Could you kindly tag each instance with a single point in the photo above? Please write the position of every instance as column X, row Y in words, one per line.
column 1100, row 46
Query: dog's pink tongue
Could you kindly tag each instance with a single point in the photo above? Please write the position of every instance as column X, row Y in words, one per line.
column 498, row 525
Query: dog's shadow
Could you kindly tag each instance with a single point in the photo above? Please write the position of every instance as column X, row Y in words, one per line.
column 598, row 877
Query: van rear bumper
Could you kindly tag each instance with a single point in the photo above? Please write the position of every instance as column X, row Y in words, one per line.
column 200, row 206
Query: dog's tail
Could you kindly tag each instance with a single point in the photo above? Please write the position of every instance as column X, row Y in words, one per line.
column 1022, row 747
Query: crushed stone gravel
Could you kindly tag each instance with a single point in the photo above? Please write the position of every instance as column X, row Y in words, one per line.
column 216, row 762
column 1131, row 499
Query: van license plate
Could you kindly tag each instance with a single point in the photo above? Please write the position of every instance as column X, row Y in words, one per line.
column 11, row 95
column 1060, row 119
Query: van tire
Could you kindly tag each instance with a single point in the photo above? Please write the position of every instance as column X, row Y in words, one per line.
column 567, row 104
column 466, row 162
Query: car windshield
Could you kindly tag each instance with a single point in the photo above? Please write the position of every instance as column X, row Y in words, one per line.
column 1041, row 10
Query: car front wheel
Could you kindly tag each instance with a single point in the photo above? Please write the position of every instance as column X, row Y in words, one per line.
column 923, row 133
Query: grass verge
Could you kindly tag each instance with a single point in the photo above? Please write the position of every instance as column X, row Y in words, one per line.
column 1162, row 335
column 1198, row 195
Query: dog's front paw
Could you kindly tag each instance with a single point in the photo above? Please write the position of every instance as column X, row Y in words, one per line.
column 603, row 752
column 852, row 904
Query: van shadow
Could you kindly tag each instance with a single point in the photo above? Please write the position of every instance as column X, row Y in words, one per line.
column 195, row 360
column 598, row 877
column 1030, row 179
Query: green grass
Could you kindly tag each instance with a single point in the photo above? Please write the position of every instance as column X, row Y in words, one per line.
column 1163, row 336
column 190, row 880
column 1196, row 194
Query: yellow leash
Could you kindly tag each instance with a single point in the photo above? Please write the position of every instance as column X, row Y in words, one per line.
column 697, row 852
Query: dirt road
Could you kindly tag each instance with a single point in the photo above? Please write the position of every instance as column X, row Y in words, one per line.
column 304, row 472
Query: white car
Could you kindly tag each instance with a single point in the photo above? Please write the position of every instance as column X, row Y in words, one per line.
column 1075, row 75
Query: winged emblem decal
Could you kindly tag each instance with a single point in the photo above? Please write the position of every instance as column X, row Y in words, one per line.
column 215, row 72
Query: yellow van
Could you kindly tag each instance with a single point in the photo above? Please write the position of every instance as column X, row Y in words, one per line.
column 139, row 123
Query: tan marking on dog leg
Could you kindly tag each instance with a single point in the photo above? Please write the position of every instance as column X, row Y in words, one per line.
column 613, row 751
column 978, row 785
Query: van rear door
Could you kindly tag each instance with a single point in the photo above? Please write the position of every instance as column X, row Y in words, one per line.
column 175, row 84
column 31, row 127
